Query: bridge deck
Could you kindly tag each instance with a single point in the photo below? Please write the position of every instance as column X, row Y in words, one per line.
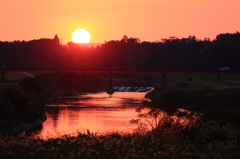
column 124, row 71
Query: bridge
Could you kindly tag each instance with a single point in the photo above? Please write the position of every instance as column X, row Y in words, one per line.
column 3, row 71
column 110, row 90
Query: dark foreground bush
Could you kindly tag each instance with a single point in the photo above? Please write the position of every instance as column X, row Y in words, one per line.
column 222, row 114
column 119, row 145
column 31, row 84
column 19, row 106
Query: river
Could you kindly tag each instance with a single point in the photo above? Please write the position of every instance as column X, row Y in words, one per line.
column 97, row 112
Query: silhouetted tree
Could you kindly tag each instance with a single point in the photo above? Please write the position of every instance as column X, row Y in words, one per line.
column 124, row 39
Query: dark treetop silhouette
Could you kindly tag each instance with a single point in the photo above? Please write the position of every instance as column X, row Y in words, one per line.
column 126, row 54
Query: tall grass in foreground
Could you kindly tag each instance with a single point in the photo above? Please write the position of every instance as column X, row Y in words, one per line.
column 205, row 140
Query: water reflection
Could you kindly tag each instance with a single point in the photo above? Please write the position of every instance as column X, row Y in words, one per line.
column 94, row 111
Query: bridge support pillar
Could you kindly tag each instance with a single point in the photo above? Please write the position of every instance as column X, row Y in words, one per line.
column 164, row 77
column 110, row 90
column 219, row 77
column 3, row 76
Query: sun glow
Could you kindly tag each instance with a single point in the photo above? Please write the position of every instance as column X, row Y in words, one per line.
column 81, row 36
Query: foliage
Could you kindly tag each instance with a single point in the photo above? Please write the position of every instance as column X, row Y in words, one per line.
column 170, row 53
column 206, row 140
column 16, row 98
column 214, row 136
column 31, row 84
column 222, row 114
column 168, row 124
column 214, row 100
column 196, row 95
column 17, row 105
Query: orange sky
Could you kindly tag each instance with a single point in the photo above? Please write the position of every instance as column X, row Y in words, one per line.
column 106, row 20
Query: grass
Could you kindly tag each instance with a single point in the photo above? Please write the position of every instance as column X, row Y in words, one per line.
column 205, row 140
column 196, row 94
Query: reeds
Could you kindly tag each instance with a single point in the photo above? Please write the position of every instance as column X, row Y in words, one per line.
column 205, row 140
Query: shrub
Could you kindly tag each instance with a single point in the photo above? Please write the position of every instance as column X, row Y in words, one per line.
column 168, row 124
column 222, row 114
column 195, row 95
column 16, row 98
column 31, row 84
column 19, row 105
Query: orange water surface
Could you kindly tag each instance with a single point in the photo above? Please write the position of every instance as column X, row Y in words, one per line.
column 97, row 112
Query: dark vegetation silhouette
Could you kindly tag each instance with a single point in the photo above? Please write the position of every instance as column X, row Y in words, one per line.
column 127, row 53
column 18, row 105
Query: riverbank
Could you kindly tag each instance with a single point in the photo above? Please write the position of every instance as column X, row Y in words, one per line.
column 211, row 100
column 196, row 94
column 17, row 128
column 20, row 110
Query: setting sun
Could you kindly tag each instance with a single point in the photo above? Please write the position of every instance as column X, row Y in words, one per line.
column 81, row 36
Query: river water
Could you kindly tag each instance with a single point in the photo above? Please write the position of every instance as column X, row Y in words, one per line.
column 97, row 112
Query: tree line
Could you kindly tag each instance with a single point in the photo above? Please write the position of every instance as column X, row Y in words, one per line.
column 127, row 53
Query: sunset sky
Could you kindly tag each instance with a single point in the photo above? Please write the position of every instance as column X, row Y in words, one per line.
column 149, row 20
